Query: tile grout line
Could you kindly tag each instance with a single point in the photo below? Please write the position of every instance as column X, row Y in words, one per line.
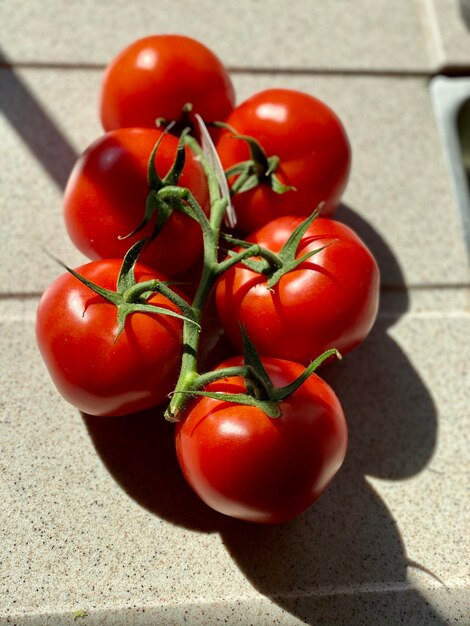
column 345, row 72
column 324, row 591
column 384, row 290
column 53, row 65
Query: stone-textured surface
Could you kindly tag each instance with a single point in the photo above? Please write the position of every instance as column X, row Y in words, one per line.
column 96, row 517
column 330, row 34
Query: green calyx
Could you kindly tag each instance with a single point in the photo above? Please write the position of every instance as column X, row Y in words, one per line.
column 274, row 265
column 155, row 202
column 131, row 296
column 259, row 169
column 260, row 392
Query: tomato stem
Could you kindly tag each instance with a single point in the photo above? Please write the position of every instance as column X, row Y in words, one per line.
column 258, row 386
column 211, row 234
column 253, row 251
column 134, row 293
column 259, row 169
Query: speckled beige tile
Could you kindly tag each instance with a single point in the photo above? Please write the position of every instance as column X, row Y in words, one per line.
column 448, row 24
column 370, row 34
column 399, row 196
column 96, row 515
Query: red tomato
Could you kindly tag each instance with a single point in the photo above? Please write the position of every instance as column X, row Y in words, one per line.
column 106, row 194
column 76, row 332
column 329, row 301
column 156, row 76
column 313, row 148
column 247, row 465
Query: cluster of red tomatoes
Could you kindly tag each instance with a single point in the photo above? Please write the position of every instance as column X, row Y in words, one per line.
column 118, row 336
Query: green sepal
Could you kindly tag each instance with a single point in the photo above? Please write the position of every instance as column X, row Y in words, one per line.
column 257, row 382
column 270, row 408
column 279, row 187
column 122, row 313
column 151, row 205
column 283, row 392
column 258, row 155
column 112, row 296
column 151, row 308
column 127, row 308
column 137, row 293
column 287, row 254
column 260, row 385
column 289, row 249
column 153, row 179
column 268, row 264
column 277, row 265
column 239, row 168
column 234, row 241
column 271, row 405
column 273, row 164
column 126, row 284
column 246, row 183
column 173, row 175
column 292, row 265
column 260, row 169
column 109, row 295
column 175, row 125
column 164, row 214
column 275, row 183
column 154, row 203
column 126, row 278
column 260, row 267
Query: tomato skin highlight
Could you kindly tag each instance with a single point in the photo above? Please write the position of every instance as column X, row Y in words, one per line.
column 314, row 152
column 329, row 301
column 247, row 465
column 76, row 331
column 156, row 76
column 106, row 194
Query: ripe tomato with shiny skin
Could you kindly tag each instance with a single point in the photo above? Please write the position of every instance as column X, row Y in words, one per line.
column 76, row 332
column 328, row 301
column 311, row 143
column 106, row 194
column 247, row 465
column 155, row 77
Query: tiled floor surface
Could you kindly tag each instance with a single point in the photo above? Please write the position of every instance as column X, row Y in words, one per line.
column 95, row 516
